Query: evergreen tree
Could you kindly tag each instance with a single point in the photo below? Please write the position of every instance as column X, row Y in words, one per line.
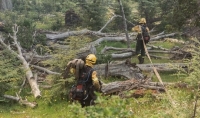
column 10, row 71
column 93, row 14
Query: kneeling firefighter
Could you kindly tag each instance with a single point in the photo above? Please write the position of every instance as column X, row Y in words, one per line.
column 86, row 81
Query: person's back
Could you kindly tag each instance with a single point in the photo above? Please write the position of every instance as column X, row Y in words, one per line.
column 87, row 83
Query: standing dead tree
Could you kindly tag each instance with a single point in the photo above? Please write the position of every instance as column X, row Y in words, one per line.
column 29, row 74
column 124, row 22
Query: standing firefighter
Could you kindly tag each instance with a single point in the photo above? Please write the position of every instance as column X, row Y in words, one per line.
column 86, row 80
column 143, row 34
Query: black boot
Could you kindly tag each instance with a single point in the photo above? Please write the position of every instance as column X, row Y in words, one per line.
column 141, row 60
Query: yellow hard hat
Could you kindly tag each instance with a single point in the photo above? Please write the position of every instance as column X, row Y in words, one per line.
column 90, row 60
column 143, row 20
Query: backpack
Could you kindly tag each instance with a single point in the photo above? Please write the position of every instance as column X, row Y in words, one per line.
column 145, row 34
column 80, row 90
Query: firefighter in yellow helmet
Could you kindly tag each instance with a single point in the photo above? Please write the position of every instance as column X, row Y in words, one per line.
column 87, row 83
column 142, row 35
column 89, row 62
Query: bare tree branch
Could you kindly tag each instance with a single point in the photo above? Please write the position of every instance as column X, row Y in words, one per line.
column 45, row 70
column 23, row 102
column 29, row 74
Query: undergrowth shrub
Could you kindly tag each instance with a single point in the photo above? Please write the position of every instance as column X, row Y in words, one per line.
column 11, row 72
column 60, row 86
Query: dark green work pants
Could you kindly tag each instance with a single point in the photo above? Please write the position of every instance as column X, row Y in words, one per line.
column 140, row 51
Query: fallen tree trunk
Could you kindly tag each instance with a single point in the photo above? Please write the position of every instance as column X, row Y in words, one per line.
column 131, row 71
column 120, row 86
column 105, row 49
column 157, row 47
column 162, row 67
column 162, row 36
column 128, row 52
column 120, row 69
column 123, row 55
column 97, row 33
column 20, row 101
column 81, row 32
column 98, row 41
column 158, row 57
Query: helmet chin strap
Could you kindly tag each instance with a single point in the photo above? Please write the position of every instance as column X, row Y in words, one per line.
column 89, row 64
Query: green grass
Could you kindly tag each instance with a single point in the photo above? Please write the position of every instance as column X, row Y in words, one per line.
column 149, row 106
column 167, row 45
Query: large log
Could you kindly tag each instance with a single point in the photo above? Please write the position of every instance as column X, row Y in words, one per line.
column 127, row 85
column 105, row 49
column 81, row 32
column 120, row 86
column 119, row 69
column 128, row 52
column 131, row 71
column 162, row 67
column 162, row 36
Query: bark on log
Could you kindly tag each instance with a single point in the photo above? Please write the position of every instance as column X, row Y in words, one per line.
column 127, row 85
column 119, row 69
column 120, row 86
